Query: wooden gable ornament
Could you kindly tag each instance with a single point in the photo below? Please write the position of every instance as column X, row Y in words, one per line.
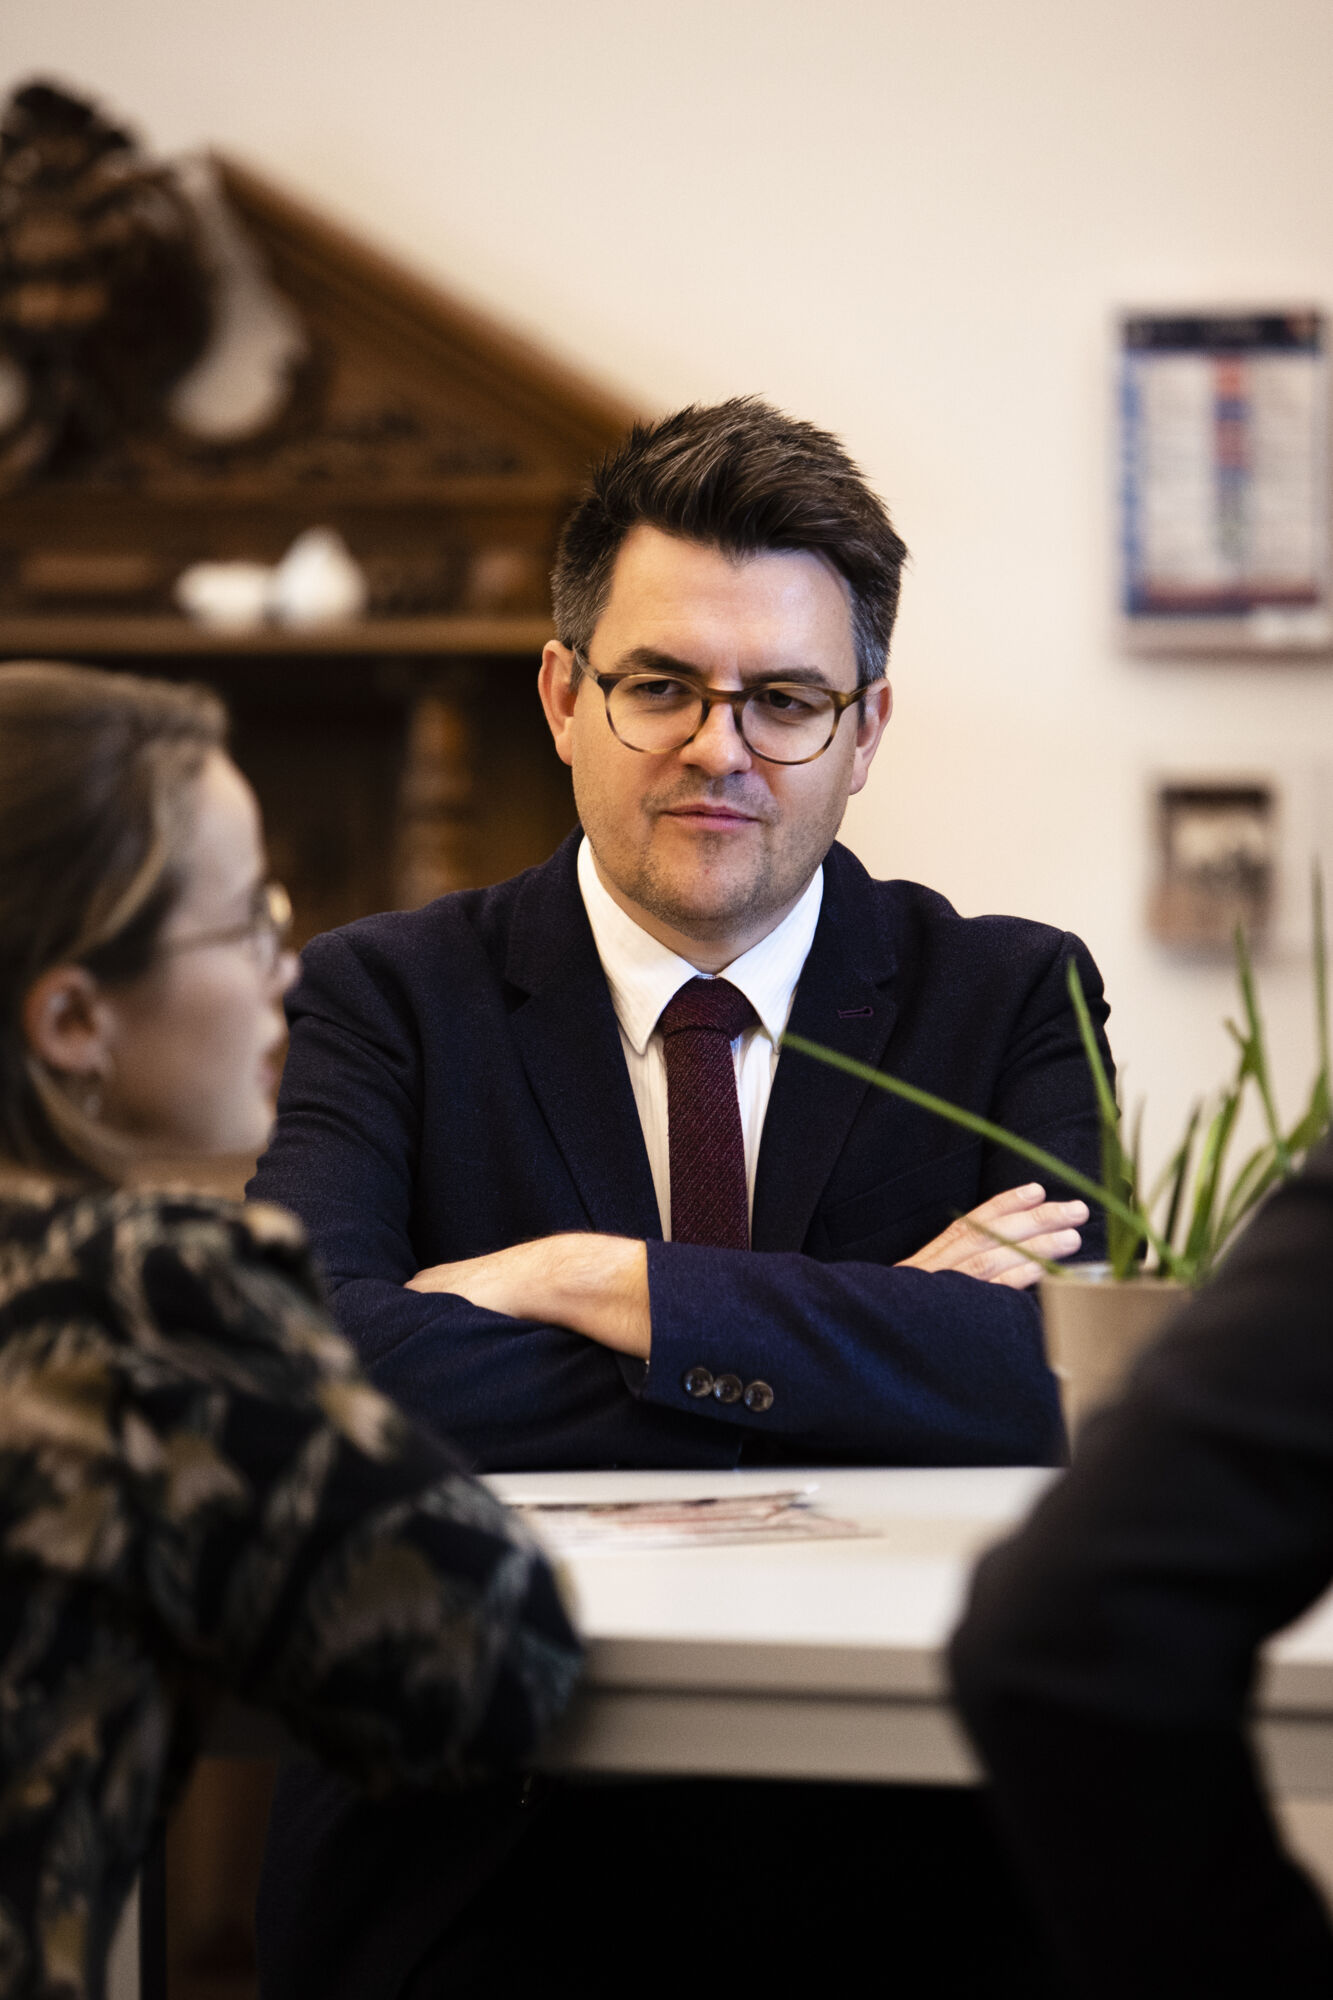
column 196, row 369
column 198, row 376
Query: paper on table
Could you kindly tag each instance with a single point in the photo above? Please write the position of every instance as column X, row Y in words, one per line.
column 789, row 1515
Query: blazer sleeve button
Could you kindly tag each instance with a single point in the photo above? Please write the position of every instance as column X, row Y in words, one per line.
column 758, row 1397
column 727, row 1388
column 697, row 1382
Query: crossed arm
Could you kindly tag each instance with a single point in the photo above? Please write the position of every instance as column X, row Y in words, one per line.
column 533, row 1353
column 597, row 1286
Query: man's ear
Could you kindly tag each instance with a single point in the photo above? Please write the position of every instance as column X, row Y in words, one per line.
column 876, row 708
column 66, row 1022
column 554, row 684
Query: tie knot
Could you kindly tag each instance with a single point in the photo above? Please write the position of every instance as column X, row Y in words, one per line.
column 708, row 1003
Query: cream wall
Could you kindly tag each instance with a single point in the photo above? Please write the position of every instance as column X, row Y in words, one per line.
column 910, row 221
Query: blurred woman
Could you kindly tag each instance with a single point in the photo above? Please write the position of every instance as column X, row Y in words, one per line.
column 198, row 1490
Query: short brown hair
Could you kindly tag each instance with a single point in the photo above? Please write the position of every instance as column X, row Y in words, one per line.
column 744, row 478
column 96, row 778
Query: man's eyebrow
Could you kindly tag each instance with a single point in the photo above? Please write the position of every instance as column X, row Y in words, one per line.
column 649, row 660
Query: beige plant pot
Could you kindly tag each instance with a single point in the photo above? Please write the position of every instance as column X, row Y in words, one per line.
column 1096, row 1326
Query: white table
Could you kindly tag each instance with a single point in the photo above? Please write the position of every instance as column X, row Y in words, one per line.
column 812, row 1660
column 825, row 1659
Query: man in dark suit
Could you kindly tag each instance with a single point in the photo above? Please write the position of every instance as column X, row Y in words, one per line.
column 1109, row 1654
column 490, row 1118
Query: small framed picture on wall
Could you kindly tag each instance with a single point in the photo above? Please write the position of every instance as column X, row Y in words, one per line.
column 1224, row 449
column 1216, row 854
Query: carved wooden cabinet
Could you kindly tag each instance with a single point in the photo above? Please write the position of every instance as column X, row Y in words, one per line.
column 398, row 754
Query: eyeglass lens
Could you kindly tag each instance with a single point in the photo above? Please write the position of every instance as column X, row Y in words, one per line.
column 785, row 722
column 272, row 919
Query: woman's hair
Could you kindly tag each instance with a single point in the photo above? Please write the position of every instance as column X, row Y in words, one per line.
column 97, row 774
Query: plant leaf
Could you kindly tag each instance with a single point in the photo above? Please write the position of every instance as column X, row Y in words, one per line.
column 1200, row 1242
column 1108, row 1109
column 970, row 1122
column 1251, row 1182
column 1258, row 1054
column 1174, row 1175
column 1123, row 1238
column 1319, row 936
column 1125, row 1245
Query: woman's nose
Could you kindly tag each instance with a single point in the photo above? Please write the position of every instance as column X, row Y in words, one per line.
column 285, row 969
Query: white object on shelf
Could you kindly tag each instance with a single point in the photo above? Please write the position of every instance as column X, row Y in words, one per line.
column 318, row 581
column 229, row 596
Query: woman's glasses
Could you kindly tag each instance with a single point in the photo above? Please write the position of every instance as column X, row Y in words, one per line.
column 266, row 929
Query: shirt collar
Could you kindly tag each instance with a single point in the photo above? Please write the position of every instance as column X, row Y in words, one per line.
column 643, row 974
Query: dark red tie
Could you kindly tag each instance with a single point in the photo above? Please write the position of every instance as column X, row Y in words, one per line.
column 709, row 1200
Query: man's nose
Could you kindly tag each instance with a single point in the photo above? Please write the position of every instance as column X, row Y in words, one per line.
column 719, row 746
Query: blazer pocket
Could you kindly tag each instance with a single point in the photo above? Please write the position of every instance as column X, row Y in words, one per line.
column 905, row 1205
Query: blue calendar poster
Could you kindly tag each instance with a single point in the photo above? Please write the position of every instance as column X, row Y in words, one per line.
column 1224, row 477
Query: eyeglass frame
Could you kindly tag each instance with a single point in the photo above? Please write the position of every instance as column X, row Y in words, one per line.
column 269, row 920
column 711, row 698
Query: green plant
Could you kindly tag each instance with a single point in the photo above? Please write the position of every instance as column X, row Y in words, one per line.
column 1200, row 1209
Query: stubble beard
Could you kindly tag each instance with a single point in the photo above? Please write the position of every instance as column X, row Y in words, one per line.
column 733, row 905
column 738, row 900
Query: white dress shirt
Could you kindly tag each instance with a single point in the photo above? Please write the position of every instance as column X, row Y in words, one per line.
column 643, row 975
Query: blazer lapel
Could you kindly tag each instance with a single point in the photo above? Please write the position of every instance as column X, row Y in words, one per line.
column 845, row 1000
column 569, row 1044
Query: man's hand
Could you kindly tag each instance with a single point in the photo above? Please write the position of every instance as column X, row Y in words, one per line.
column 594, row 1285
column 1034, row 1226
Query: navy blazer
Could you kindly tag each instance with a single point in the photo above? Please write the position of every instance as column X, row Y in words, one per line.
column 456, row 1083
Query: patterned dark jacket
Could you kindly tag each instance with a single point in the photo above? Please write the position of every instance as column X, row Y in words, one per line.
column 200, row 1493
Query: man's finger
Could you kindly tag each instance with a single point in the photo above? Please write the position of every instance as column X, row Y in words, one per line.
column 1028, row 1218
column 1010, row 1201
column 1057, row 1243
column 1023, row 1226
column 998, row 1258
